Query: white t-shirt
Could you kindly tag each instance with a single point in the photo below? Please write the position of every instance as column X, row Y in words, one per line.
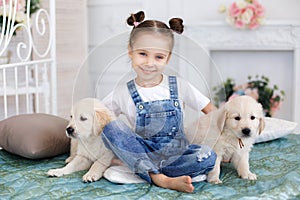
column 120, row 101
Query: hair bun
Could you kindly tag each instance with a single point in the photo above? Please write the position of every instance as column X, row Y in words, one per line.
column 176, row 24
column 137, row 17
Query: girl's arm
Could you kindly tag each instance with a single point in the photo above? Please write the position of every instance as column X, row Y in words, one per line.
column 194, row 98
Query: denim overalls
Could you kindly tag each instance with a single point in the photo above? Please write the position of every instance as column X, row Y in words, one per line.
column 159, row 144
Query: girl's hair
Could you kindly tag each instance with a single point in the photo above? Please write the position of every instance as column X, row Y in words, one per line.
column 139, row 25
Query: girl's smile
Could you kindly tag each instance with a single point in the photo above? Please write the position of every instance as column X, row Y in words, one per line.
column 147, row 71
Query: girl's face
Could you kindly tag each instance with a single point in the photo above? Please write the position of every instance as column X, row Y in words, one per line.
column 149, row 55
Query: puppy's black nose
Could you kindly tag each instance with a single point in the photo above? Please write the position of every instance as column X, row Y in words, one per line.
column 246, row 132
column 70, row 130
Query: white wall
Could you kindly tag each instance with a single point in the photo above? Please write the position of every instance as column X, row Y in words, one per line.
column 203, row 11
column 71, row 49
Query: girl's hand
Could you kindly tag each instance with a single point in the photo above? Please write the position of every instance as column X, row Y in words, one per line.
column 208, row 108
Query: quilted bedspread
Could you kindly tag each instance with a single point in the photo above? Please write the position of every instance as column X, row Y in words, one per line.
column 276, row 163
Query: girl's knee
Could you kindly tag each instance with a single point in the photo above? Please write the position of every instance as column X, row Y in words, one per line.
column 112, row 133
column 116, row 129
column 210, row 161
column 207, row 157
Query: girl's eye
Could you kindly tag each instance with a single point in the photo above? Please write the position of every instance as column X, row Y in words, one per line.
column 159, row 57
column 83, row 118
column 142, row 54
column 237, row 118
column 252, row 117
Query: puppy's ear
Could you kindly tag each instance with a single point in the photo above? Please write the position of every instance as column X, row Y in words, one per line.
column 102, row 118
column 221, row 118
column 261, row 125
column 261, row 120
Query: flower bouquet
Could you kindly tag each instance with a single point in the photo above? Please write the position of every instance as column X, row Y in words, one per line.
column 258, row 88
column 244, row 14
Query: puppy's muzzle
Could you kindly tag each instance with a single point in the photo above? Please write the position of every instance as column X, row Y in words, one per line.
column 70, row 131
column 246, row 132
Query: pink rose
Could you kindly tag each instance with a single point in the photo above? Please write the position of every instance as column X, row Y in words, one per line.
column 259, row 9
column 275, row 106
column 6, row 3
column 247, row 15
column 253, row 25
column 250, row 7
column 234, row 10
column 239, row 23
column 243, row 13
column 21, row 5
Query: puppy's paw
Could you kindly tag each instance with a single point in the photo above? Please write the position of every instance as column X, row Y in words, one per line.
column 91, row 177
column 213, row 179
column 55, row 172
column 249, row 176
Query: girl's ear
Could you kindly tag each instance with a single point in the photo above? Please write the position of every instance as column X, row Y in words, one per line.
column 129, row 51
column 102, row 118
column 169, row 56
column 221, row 118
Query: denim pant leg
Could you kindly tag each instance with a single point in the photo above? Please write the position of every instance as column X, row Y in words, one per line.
column 128, row 146
column 194, row 161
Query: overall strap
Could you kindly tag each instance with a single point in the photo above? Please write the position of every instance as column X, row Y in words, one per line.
column 173, row 87
column 133, row 92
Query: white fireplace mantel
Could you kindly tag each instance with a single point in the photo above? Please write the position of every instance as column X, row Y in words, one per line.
column 266, row 37
column 273, row 36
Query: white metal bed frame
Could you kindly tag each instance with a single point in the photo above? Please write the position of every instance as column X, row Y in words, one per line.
column 37, row 92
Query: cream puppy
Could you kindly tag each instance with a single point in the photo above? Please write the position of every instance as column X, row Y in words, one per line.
column 88, row 118
column 231, row 132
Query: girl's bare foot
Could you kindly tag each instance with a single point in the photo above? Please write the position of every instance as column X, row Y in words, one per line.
column 181, row 183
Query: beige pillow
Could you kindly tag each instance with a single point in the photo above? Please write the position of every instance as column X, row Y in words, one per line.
column 34, row 136
column 276, row 128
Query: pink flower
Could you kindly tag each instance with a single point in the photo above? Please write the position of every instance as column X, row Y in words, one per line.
column 239, row 24
column 253, row 25
column 259, row 9
column 245, row 13
column 250, row 7
column 234, row 10
column 6, row 3
column 275, row 106
column 19, row 6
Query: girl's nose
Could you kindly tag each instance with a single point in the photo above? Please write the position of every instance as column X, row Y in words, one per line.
column 150, row 61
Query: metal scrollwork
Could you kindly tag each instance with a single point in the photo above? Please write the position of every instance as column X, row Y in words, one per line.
column 11, row 25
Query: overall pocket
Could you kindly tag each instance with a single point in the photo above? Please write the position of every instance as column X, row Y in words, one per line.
column 161, row 124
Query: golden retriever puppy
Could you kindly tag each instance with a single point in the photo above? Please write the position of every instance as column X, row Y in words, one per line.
column 88, row 118
column 231, row 131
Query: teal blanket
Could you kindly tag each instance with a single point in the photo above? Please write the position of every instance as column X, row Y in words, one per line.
column 276, row 163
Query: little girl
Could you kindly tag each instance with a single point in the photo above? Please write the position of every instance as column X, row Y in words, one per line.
column 157, row 150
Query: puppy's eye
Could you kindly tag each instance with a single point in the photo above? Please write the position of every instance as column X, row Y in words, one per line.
column 83, row 118
column 237, row 118
column 71, row 116
column 252, row 117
